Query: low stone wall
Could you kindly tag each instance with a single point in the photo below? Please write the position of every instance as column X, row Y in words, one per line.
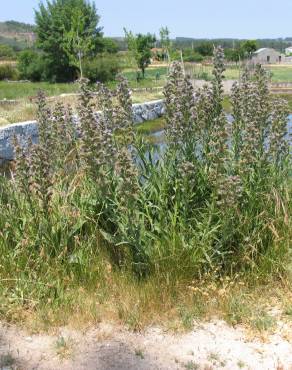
column 29, row 130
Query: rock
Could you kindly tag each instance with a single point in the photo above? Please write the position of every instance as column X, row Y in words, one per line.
column 29, row 130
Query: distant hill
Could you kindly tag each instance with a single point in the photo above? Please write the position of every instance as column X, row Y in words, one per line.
column 17, row 34
column 16, row 27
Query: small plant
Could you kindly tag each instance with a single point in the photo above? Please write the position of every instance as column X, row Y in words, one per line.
column 63, row 347
column 288, row 311
column 139, row 353
column 191, row 365
column 8, row 72
column 238, row 310
column 263, row 322
column 241, row 364
column 6, row 361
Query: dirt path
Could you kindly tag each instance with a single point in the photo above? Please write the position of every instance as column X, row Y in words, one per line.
column 213, row 345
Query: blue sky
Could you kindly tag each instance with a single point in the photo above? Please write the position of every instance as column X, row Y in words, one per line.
column 193, row 18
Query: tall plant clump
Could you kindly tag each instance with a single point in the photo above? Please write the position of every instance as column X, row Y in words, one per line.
column 215, row 198
column 241, row 168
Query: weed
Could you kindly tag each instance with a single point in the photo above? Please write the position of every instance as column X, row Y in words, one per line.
column 6, row 361
column 94, row 209
column 191, row 365
column 64, row 347
column 238, row 309
column 288, row 311
column 139, row 353
column 263, row 322
column 241, row 364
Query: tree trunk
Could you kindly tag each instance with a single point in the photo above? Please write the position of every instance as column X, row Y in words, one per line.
column 80, row 65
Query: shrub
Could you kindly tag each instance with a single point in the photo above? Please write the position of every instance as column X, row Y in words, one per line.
column 8, row 72
column 6, row 52
column 32, row 65
column 102, row 68
column 216, row 198
column 109, row 45
column 192, row 56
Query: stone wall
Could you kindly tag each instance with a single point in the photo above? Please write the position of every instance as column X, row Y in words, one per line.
column 25, row 130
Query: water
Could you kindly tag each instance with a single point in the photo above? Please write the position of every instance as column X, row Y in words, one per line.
column 159, row 135
column 158, row 140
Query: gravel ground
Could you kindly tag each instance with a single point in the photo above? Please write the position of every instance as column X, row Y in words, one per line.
column 213, row 345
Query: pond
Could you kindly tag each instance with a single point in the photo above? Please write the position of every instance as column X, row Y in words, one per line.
column 158, row 136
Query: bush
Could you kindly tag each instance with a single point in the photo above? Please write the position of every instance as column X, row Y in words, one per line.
column 109, row 45
column 8, row 72
column 215, row 199
column 6, row 52
column 192, row 56
column 31, row 65
column 102, row 68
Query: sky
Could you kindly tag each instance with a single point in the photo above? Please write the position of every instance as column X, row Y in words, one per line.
column 186, row 18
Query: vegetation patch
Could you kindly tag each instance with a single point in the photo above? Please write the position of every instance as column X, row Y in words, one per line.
column 109, row 225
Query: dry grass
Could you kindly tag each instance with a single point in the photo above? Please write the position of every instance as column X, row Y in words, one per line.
column 11, row 62
column 25, row 110
column 138, row 305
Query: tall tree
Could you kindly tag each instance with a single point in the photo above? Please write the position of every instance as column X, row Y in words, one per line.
column 67, row 31
column 165, row 41
column 248, row 47
column 140, row 46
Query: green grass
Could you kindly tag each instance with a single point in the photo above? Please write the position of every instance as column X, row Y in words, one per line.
column 278, row 74
column 149, row 80
column 18, row 90
column 150, row 73
column 86, row 234
column 151, row 126
column 281, row 74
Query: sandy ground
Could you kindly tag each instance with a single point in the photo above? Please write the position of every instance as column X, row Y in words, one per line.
column 213, row 345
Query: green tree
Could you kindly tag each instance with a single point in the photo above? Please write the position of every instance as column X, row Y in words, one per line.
column 78, row 42
column 205, row 49
column 248, row 47
column 31, row 65
column 67, row 31
column 234, row 55
column 109, row 45
column 140, row 46
column 165, row 41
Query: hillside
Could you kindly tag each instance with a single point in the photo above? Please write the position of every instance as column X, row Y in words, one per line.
column 16, row 34
column 15, row 27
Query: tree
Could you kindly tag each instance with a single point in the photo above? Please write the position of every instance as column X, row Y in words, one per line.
column 165, row 40
column 31, row 65
column 140, row 46
column 248, row 47
column 78, row 41
column 67, row 31
column 109, row 45
column 234, row 55
column 205, row 49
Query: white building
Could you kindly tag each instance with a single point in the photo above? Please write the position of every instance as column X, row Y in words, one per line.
column 288, row 51
column 266, row 56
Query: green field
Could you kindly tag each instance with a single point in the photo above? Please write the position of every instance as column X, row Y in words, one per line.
column 278, row 73
column 154, row 77
column 19, row 90
column 281, row 73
